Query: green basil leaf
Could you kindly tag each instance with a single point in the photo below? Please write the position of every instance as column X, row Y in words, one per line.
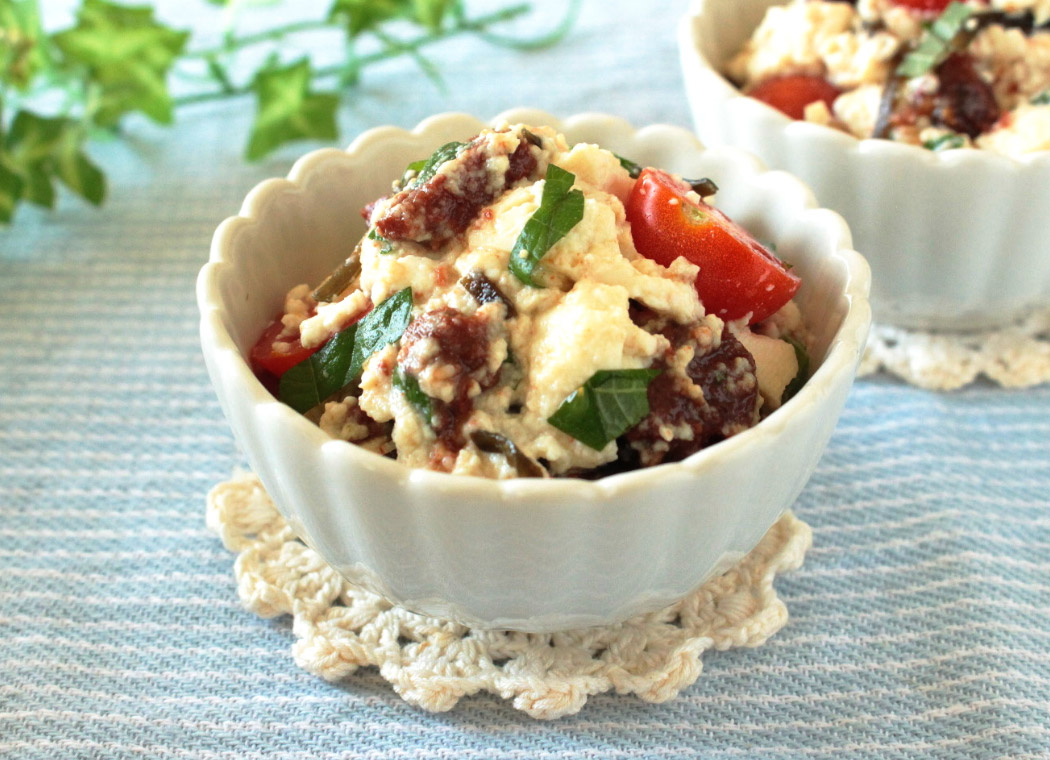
column 442, row 155
column 382, row 326
column 945, row 142
column 561, row 209
column 605, row 407
column 409, row 385
column 936, row 44
column 802, row 356
column 287, row 110
column 1042, row 99
column 340, row 361
column 312, row 380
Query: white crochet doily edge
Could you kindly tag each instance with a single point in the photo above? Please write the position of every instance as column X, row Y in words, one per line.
column 1016, row 356
column 433, row 663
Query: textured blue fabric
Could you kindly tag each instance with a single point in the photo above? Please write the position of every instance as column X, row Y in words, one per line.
column 920, row 623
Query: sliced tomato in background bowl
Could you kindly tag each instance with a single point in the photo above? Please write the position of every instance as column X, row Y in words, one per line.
column 792, row 93
column 738, row 276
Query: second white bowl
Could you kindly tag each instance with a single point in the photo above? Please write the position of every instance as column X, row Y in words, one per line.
column 956, row 240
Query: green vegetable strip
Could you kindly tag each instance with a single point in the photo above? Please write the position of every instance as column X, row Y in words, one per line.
column 937, row 43
column 605, row 407
column 945, row 142
column 409, row 385
column 561, row 209
column 340, row 362
column 802, row 356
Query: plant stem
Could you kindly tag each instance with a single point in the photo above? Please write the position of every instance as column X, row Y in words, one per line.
column 410, row 47
column 239, row 43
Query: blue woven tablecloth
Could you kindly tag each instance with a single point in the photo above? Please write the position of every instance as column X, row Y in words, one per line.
column 920, row 623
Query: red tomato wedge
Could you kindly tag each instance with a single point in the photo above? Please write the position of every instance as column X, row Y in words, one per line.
column 737, row 276
column 278, row 356
column 791, row 94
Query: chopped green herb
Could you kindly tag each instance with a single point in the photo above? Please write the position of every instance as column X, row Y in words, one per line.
column 632, row 168
column 938, row 42
column 605, row 407
column 561, row 209
column 442, row 155
column 802, row 356
column 945, row 142
column 1042, row 99
column 340, row 361
column 409, row 385
column 385, row 246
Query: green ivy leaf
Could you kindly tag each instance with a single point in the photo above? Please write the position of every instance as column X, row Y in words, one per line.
column 561, row 209
column 361, row 15
column 11, row 188
column 286, row 109
column 21, row 54
column 605, row 407
column 128, row 55
column 41, row 149
column 431, row 13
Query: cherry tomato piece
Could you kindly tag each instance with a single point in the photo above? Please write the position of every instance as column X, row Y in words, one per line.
column 737, row 274
column 792, row 93
column 278, row 356
column 925, row 6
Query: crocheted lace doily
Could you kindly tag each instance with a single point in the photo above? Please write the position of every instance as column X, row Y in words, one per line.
column 433, row 663
column 1016, row 356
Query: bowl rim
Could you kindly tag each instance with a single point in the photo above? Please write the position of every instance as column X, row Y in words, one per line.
column 841, row 358
column 829, row 138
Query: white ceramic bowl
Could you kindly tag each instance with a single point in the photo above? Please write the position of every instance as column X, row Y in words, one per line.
column 536, row 555
column 957, row 240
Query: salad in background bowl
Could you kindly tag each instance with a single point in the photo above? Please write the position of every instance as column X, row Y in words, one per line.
column 922, row 122
column 527, row 553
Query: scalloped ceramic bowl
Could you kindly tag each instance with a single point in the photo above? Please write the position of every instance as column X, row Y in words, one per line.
column 956, row 240
column 535, row 555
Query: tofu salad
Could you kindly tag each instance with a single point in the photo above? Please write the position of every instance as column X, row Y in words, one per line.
column 520, row 307
column 932, row 73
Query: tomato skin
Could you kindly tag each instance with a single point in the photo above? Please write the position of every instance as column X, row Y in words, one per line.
column 737, row 274
column 927, row 7
column 792, row 93
column 924, row 6
column 266, row 356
